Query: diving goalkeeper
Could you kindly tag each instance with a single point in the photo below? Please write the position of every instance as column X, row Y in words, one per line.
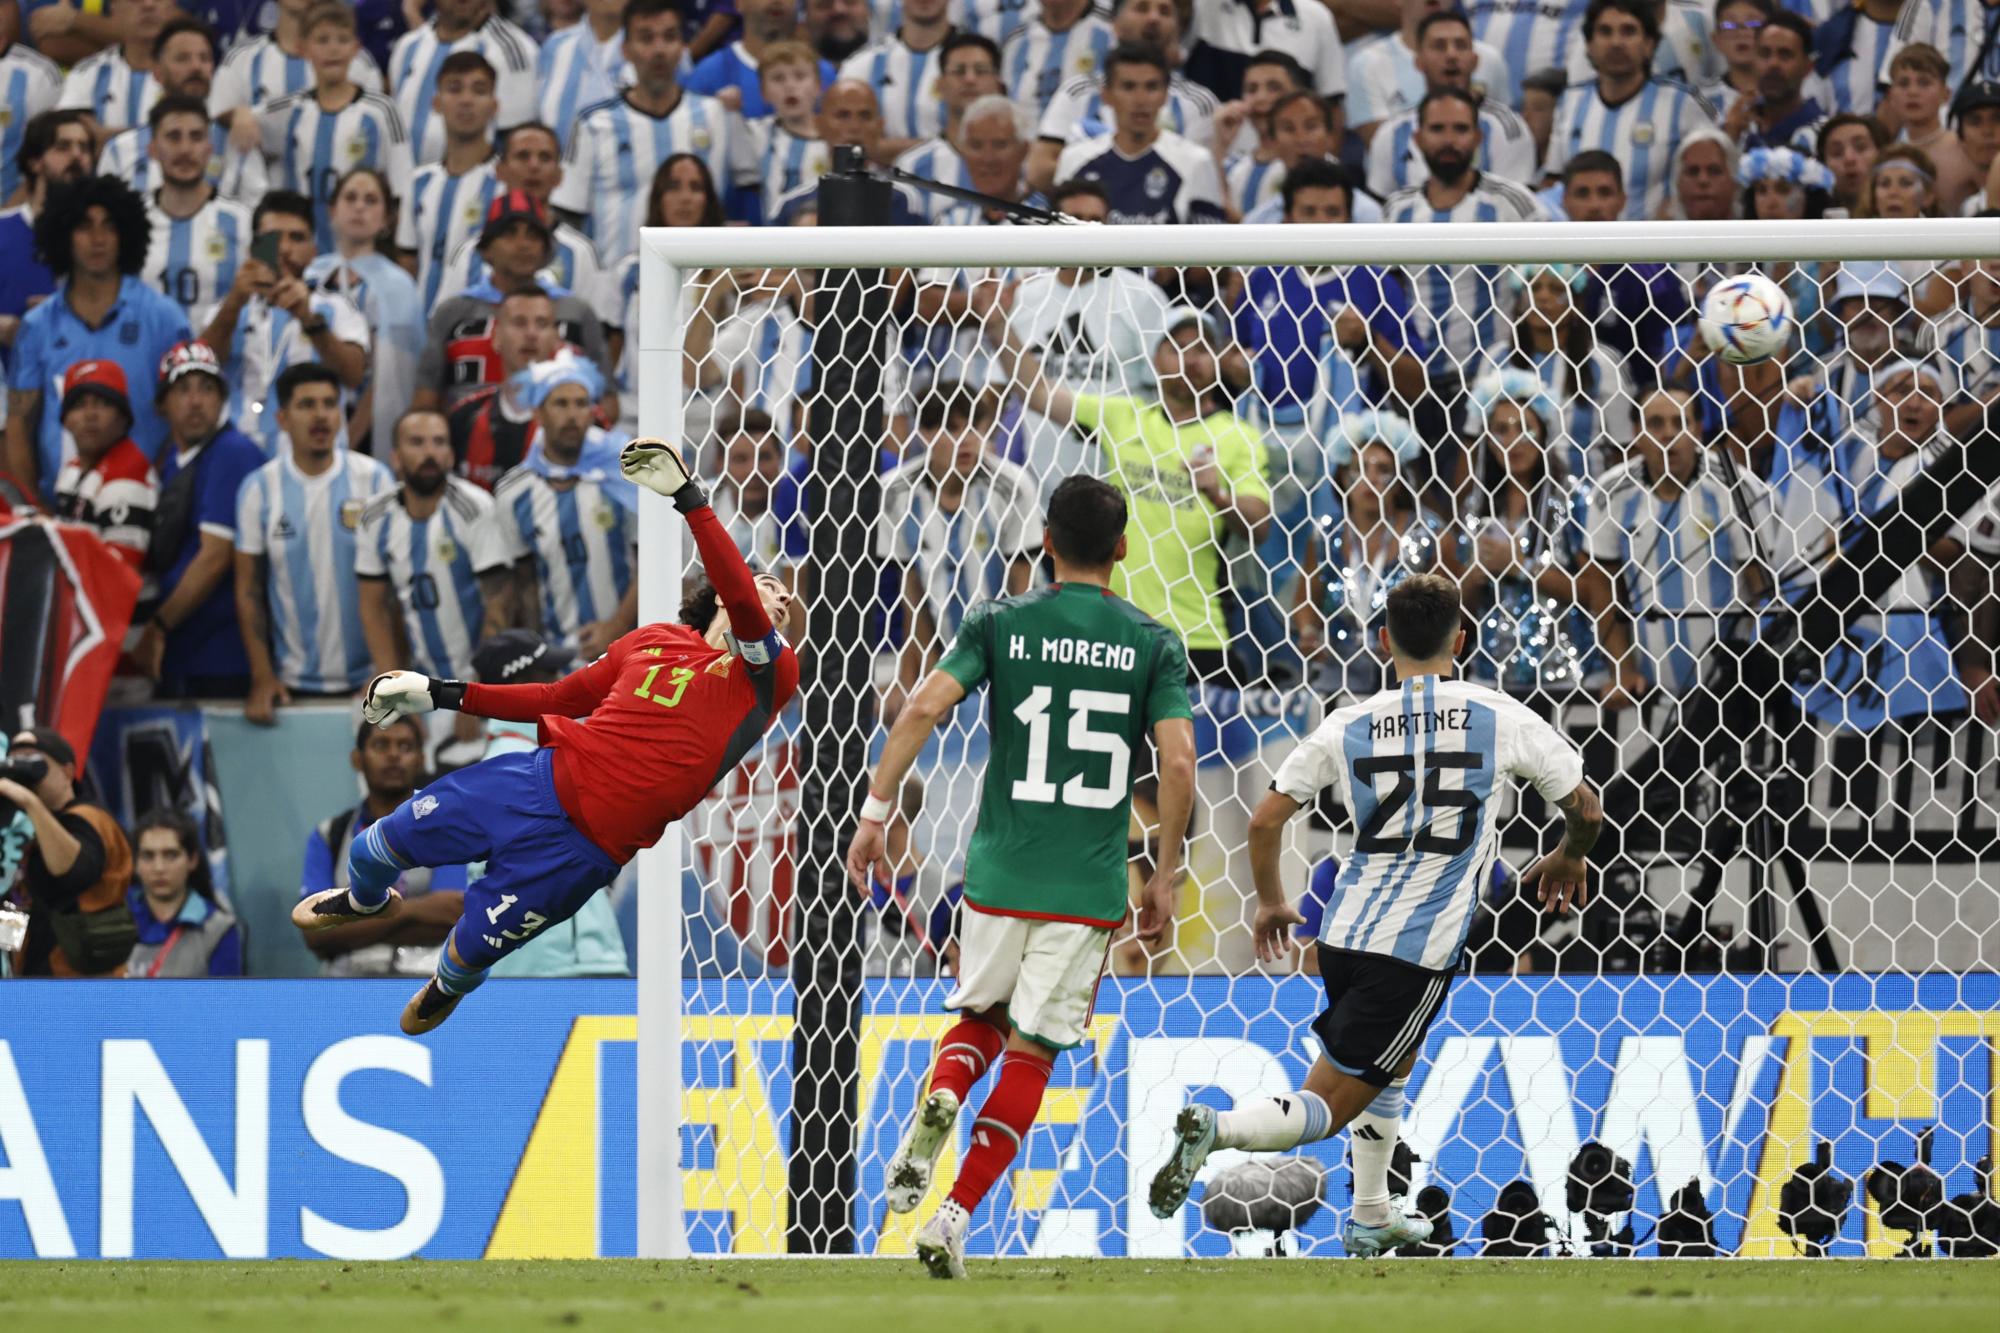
column 629, row 744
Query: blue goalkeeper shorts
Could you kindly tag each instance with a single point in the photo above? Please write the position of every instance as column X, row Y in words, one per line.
column 503, row 810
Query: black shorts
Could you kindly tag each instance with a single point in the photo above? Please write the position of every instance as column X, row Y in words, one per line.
column 1377, row 1011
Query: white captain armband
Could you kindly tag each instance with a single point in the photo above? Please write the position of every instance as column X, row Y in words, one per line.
column 758, row 652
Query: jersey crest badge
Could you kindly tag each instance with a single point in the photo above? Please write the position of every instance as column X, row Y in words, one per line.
column 700, row 140
column 606, row 517
column 423, row 806
column 1642, row 134
column 1156, row 183
column 447, row 550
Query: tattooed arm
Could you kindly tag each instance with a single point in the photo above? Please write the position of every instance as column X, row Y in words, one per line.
column 1562, row 871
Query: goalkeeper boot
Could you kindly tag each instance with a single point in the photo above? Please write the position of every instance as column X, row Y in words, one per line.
column 941, row 1244
column 909, row 1174
column 1365, row 1242
column 428, row 1009
column 335, row 907
column 1194, row 1139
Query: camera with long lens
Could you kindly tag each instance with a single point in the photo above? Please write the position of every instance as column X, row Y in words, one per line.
column 1516, row 1227
column 1599, row 1188
column 1813, row 1203
column 1968, row 1227
column 1908, row 1197
column 1687, row 1231
column 26, row 769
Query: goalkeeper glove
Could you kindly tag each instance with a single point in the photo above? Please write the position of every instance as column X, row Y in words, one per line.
column 395, row 694
column 659, row 467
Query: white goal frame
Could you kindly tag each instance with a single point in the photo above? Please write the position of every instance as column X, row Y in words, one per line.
column 668, row 256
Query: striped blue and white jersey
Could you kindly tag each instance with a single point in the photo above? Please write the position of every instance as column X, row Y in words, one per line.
column 582, row 536
column 306, row 528
column 1955, row 27
column 960, row 554
column 1640, row 132
column 576, row 71
column 905, row 81
column 1174, row 181
column 1530, row 35
column 30, row 83
column 440, row 211
column 1863, row 65
column 310, row 148
column 109, row 89
column 1974, row 348
column 1506, row 149
column 997, row 19
column 786, row 161
column 1421, row 768
column 608, row 168
column 574, row 266
column 386, row 296
column 413, row 74
column 1463, row 300
column 1077, row 111
column 1686, row 49
column 1037, row 61
column 1252, row 182
column 259, row 71
column 269, row 341
column 194, row 259
column 238, row 177
column 1384, row 81
column 765, row 351
column 433, row 566
column 935, row 159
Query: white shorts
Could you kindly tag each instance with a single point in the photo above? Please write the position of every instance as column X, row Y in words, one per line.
column 1045, row 972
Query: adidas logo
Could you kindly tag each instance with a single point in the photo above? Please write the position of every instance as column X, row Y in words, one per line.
column 1369, row 1132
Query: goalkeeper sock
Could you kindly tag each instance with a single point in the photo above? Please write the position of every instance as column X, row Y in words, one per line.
column 1271, row 1123
column 1371, row 1142
column 372, row 866
column 1003, row 1122
column 964, row 1056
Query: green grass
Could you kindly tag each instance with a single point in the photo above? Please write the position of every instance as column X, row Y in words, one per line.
column 1017, row 1296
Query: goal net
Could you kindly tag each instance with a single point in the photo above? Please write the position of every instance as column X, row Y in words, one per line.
column 1760, row 599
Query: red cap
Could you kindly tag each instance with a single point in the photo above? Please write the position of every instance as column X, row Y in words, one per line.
column 189, row 358
column 515, row 206
column 105, row 379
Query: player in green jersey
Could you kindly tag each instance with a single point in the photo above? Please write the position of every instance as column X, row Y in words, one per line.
column 1076, row 678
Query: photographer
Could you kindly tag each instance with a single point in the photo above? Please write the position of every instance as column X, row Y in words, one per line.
column 73, row 879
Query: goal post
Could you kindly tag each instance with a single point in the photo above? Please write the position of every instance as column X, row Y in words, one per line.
column 1688, row 1074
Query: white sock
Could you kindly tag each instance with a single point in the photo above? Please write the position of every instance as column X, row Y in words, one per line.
column 1271, row 1123
column 1371, row 1141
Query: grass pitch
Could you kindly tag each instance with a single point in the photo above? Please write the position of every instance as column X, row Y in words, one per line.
column 1016, row 1296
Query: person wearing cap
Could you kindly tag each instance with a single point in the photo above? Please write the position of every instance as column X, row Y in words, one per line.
column 420, row 554
column 93, row 235
column 1975, row 114
column 459, row 357
column 74, row 879
column 530, row 159
column 191, row 643
column 107, row 484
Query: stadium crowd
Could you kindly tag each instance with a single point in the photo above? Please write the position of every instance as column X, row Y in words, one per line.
column 320, row 315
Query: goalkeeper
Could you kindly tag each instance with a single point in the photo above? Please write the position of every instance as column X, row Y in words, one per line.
column 629, row 743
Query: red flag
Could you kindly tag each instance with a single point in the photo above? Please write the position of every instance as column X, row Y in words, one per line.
column 66, row 600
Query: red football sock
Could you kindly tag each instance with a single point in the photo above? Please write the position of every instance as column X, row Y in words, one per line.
column 964, row 1056
column 1003, row 1122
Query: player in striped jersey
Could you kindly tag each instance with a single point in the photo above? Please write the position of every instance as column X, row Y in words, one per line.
column 1625, row 111
column 791, row 151
column 30, row 84
column 296, row 519
column 1530, row 35
column 1464, row 312
column 184, row 64
column 581, row 65
column 619, row 144
column 1067, row 39
column 447, row 199
column 268, row 67
column 568, row 522
column 460, row 25
column 903, row 67
column 1420, row 769
column 419, row 554
column 198, row 237
column 116, row 86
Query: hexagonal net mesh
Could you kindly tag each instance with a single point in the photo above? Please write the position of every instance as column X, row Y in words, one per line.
column 1758, row 599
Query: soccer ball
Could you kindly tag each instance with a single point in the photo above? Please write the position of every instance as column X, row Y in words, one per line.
column 1746, row 320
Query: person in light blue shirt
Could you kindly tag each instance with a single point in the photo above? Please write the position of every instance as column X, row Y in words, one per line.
column 737, row 65
column 381, row 289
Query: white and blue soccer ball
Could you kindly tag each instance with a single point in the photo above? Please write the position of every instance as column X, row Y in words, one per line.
column 1746, row 320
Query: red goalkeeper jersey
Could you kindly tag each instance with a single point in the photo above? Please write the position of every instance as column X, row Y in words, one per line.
column 646, row 731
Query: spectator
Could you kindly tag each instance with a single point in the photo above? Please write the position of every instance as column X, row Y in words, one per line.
column 1389, row 77
column 1625, row 111
column 1534, row 42
column 492, row 428
column 460, row 25
column 1540, row 92
column 836, row 28
column 1588, row 394
column 1227, row 34
column 790, row 152
column 383, row 292
column 1192, row 473
column 1849, row 144
column 618, row 145
column 1961, row 29
column 567, row 521
column 66, row 34
column 107, row 484
column 447, row 199
column 1780, row 113
column 184, row 66
column 682, row 195
column 1148, row 173
column 1976, row 115
column 517, row 243
column 297, row 602
column 1903, row 183
column 1852, row 48
column 390, row 760
column 115, row 86
column 1243, row 141
column 314, row 136
column 183, row 930
column 1920, row 88
column 1445, row 59
column 54, row 150
column 992, row 142
column 419, row 554
column 1972, row 342
column 192, row 644
column 1065, row 35
column 907, row 62
column 73, row 880
column 1785, row 185
column 261, row 69
column 758, row 498
column 1459, row 298
column 92, row 235
column 1703, row 178
column 1636, row 309
column 1739, row 25
column 1079, row 110
column 968, row 69
column 530, row 161
column 734, row 73
column 1301, row 130
column 270, row 321
column 582, row 65
column 198, row 237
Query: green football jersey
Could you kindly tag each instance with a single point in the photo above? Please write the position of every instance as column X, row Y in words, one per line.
column 1076, row 679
